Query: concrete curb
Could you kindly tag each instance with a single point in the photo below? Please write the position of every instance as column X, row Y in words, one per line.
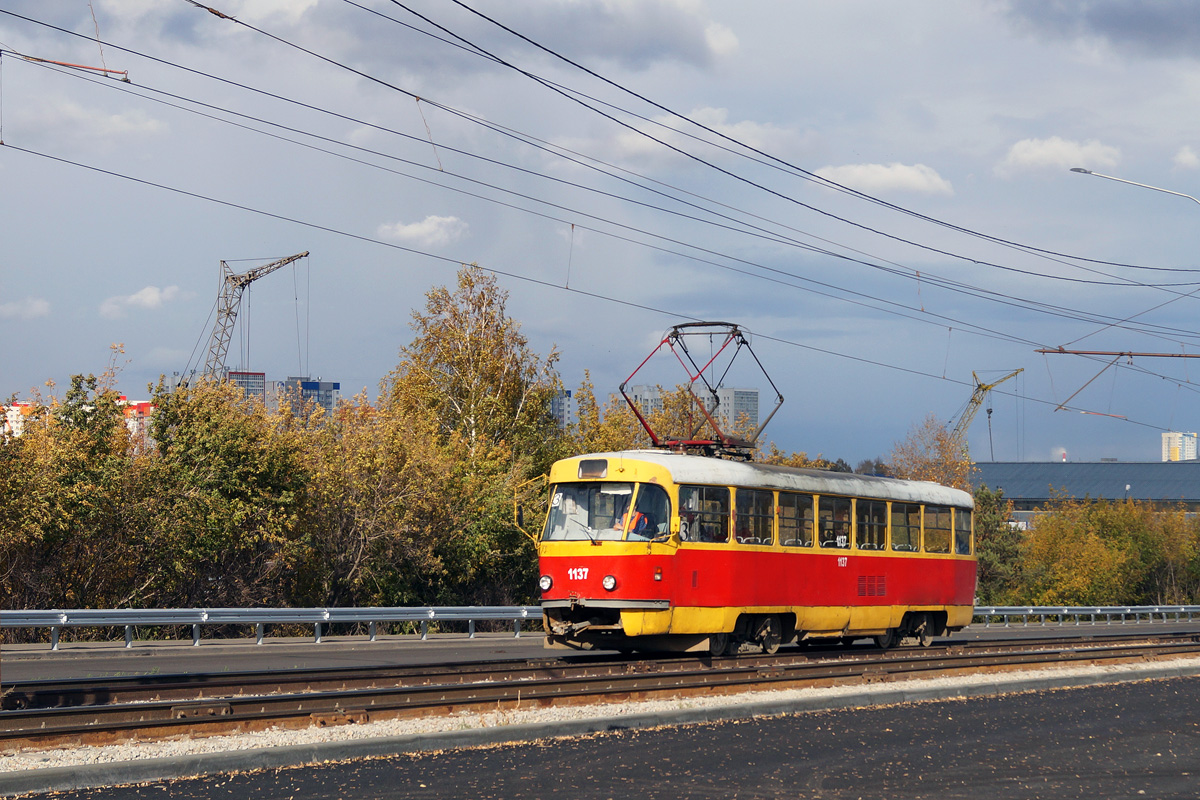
column 126, row 772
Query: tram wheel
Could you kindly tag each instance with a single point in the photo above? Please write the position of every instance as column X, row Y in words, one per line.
column 924, row 631
column 769, row 635
column 718, row 644
column 887, row 640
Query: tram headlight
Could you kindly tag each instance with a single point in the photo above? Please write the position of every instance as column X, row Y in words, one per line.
column 609, row 582
column 545, row 582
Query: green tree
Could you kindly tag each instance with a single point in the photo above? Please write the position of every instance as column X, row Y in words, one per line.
column 997, row 548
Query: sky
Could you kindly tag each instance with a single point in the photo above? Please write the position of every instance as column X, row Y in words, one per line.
column 880, row 193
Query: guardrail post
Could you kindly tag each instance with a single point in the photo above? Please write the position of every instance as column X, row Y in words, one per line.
column 53, row 637
column 516, row 629
column 371, row 629
column 195, row 634
column 424, row 630
column 258, row 632
column 316, row 633
column 128, row 636
column 471, row 629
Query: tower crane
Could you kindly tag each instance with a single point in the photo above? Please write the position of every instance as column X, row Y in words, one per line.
column 230, row 299
column 959, row 432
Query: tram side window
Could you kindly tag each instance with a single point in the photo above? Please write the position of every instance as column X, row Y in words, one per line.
column 795, row 519
column 704, row 512
column 906, row 527
column 833, row 518
column 937, row 529
column 755, row 517
column 651, row 514
column 871, row 531
column 962, row 531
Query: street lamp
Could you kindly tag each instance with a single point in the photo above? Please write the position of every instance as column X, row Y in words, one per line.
column 1083, row 171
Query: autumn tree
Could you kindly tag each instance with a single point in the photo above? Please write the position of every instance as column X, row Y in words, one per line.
column 774, row 455
column 470, row 372
column 603, row 428
column 76, row 503
column 470, row 366
column 930, row 453
column 379, row 499
column 231, row 478
column 1084, row 552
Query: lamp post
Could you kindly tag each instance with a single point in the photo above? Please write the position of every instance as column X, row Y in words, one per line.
column 1083, row 171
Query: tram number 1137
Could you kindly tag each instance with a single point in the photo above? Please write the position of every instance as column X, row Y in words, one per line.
column 577, row 573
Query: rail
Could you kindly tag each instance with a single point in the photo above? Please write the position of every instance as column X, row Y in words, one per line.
column 56, row 620
column 1081, row 615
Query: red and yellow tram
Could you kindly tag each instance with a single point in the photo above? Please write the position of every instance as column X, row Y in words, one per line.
column 656, row 550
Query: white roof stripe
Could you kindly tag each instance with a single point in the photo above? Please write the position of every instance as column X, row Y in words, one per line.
column 719, row 471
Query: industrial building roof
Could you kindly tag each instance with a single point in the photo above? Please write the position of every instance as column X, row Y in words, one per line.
column 1030, row 481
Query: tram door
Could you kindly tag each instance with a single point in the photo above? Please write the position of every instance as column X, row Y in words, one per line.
column 836, row 576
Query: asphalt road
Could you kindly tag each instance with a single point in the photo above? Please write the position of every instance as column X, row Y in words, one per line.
column 1126, row 740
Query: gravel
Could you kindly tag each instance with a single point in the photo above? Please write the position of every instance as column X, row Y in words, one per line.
column 276, row 737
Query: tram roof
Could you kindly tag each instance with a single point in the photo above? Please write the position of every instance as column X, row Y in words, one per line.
column 708, row 470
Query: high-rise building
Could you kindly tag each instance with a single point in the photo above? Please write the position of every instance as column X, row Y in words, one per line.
column 733, row 405
column 14, row 417
column 563, row 408
column 300, row 390
column 1178, row 446
column 254, row 384
column 737, row 407
column 648, row 399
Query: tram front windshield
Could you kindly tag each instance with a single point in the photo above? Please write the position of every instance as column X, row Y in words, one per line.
column 601, row 511
column 588, row 511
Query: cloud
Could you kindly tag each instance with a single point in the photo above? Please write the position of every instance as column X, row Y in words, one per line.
column 29, row 308
column 1161, row 29
column 433, row 231
column 721, row 40
column 633, row 33
column 630, row 145
column 288, row 12
column 149, row 298
column 888, row 178
column 1186, row 158
column 1056, row 153
column 67, row 119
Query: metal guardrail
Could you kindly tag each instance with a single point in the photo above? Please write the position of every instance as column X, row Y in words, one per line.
column 261, row 617
column 56, row 620
column 1084, row 614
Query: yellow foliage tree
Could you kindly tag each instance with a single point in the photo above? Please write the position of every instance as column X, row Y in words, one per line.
column 930, row 453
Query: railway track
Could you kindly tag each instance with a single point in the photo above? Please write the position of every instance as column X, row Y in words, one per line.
column 78, row 712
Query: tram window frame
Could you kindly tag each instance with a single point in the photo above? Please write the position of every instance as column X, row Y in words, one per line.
column 870, row 531
column 905, row 520
column 651, row 518
column 703, row 511
column 796, row 528
column 834, row 522
column 938, row 530
column 754, row 521
column 963, row 538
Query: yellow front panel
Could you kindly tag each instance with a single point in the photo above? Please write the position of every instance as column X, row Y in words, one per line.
column 646, row 623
